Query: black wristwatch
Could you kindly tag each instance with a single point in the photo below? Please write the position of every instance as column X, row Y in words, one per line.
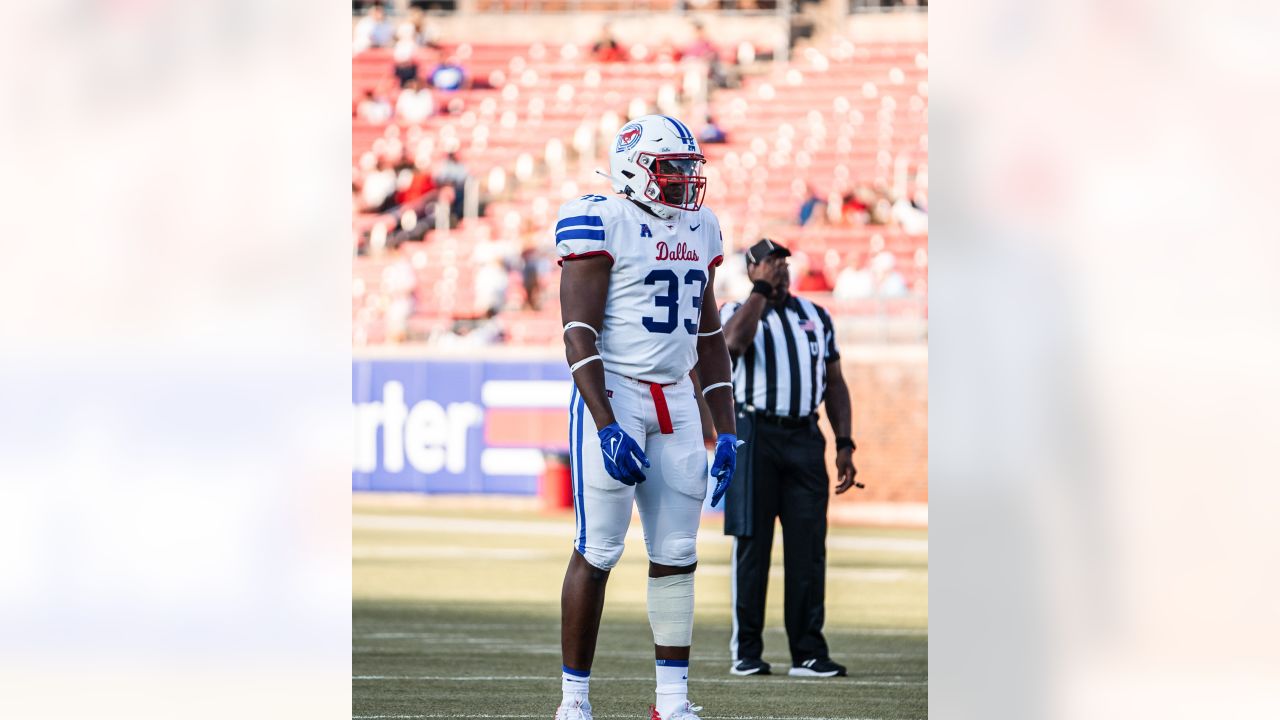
column 845, row 442
column 762, row 287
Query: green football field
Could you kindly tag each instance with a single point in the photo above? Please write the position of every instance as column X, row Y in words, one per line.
column 455, row 614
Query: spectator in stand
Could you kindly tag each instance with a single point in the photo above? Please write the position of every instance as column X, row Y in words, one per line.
column 379, row 187
column 416, row 28
column 450, row 76
column 373, row 30
column 712, row 133
column 533, row 265
column 881, row 205
column 419, row 187
column 701, row 47
column 666, row 52
column 854, row 208
column 415, row 103
column 890, row 282
column 428, row 34
column 911, row 219
column 491, row 284
column 812, row 205
column 373, row 109
column 404, row 161
column 406, row 64
column 473, row 333
column 454, row 174
column 881, row 212
column 854, row 282
column 701, row 50
column 920, row 200
column 810, row 275
column 606, row 48
column 398, row 282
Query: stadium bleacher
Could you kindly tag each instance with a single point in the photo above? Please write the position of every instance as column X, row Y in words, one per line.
column 532, row 128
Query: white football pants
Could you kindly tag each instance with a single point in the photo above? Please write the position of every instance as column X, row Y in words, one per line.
column 664, row 421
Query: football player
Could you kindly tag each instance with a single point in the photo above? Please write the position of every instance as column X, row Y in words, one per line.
column 639, row 267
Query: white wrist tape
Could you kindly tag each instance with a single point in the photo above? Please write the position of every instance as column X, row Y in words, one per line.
column 671, row 610
column 575, row 323
column 713, row 386
column 574, row 367
column 717, row 331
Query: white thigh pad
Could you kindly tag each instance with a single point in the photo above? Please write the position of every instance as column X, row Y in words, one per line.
column 671, row 610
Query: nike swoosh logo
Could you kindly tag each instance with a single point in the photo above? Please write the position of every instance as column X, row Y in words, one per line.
column 613, row 447
column 695, row 227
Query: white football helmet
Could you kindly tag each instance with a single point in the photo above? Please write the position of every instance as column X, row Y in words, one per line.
column 656, row 161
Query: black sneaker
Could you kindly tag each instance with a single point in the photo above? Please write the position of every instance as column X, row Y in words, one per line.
column 750, row 667
column 818, row 667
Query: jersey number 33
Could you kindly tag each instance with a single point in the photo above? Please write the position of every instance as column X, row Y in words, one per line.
column 668, row 298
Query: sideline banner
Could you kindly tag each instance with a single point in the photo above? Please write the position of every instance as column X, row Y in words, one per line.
column 441, row 426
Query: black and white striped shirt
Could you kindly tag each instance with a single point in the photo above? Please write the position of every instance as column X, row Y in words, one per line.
column 784, row 370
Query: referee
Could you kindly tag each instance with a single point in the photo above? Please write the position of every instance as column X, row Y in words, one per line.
column 785, row 361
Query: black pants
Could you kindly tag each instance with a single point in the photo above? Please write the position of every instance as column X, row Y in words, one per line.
column 788, row 481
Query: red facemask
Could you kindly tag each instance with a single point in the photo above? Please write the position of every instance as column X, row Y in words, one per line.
column 677, row 177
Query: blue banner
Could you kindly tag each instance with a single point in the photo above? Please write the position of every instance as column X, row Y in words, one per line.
column 435, row 426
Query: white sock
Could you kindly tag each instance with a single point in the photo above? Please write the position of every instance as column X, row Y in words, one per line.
column 673, row 685
column 574, row 684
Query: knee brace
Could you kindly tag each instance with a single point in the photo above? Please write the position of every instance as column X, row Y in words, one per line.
column 671, row 610
column 675, row 549
column 603, row 557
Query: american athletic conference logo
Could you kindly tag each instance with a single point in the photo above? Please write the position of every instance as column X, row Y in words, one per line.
column 628, row 137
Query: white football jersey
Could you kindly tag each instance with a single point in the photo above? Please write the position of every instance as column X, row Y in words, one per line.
column 660, row 274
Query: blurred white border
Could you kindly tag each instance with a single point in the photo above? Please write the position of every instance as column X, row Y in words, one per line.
column 175, row 360
column 1103, row 360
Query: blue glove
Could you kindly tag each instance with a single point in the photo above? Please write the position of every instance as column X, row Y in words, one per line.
column 622, row 455
column 723, row 465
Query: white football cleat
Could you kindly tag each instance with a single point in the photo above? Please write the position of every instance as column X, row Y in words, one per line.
column 684, row 712
column 575, row 710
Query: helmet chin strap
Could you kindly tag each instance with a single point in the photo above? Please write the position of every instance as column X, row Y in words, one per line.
column 665, row 212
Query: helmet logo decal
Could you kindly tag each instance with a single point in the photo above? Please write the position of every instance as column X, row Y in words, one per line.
column 628, row 137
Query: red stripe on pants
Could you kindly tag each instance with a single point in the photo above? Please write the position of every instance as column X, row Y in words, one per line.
column 660, row 404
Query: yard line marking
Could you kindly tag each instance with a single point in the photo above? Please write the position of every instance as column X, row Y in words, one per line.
column 459, row 525
column 451, row 679
column 905, row 632
column 463, row 552
column 551, row 528
column 624, row 654
column 546, row 678
column 708, row 717
column 892, row 544
column 499, row 645
column 460, row 552
column 886, row 574
column 887, row 632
